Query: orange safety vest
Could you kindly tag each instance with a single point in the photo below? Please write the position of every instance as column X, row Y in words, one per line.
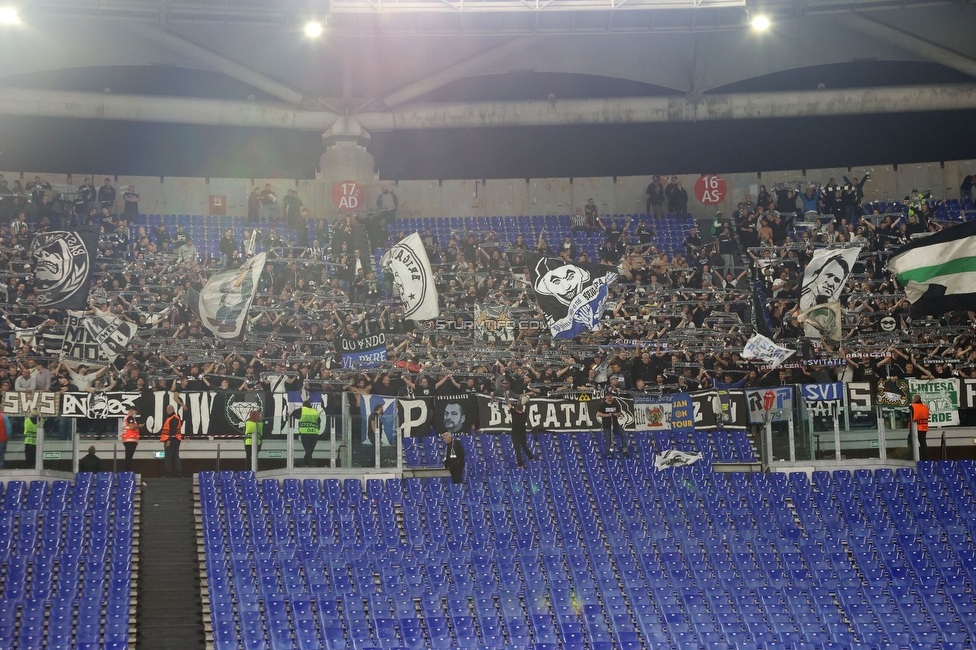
column 172, row 426
column 920, row 416
column 131, row 432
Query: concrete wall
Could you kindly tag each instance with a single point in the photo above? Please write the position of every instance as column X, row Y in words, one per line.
column 511, row 197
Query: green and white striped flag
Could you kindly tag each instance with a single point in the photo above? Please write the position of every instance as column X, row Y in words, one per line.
column 938, row 272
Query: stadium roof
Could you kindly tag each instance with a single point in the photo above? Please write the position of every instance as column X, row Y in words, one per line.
column 443, row 65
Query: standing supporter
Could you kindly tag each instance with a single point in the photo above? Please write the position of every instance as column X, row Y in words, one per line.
column 677, row 197
column 610, row 413
column 387, row 202
column 90, row 463
column 130, row 209
column 655, row 197
column 454, row 457
column 519, row 417
column 106, row 196
column 269, row 203
column 254, row 206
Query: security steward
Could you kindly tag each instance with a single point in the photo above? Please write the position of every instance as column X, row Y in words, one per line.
column 130, row 436
column 918, row 413
column 171, row 436
column 308, row 430
column 30, row 438
column 253, row 435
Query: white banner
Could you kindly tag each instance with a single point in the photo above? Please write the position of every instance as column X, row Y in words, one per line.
column 770, row 404
column 761, row 347
column 942, row 398
column 24, row 403
column 653, row 413
column 413, row 278
column 675, row 458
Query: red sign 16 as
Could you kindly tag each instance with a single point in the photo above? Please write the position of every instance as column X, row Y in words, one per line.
column 710, row 189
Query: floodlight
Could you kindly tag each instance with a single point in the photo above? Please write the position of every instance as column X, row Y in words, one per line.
column 8, row 16
column 313, row 29
column 760, row 23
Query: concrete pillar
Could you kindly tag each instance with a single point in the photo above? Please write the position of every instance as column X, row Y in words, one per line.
column 346, row 157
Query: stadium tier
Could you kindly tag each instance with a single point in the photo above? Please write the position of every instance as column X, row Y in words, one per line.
column 206, row 231
column 578, row 551
column 68, row 555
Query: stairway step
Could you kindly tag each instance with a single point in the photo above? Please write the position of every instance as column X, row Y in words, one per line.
column 170, row 615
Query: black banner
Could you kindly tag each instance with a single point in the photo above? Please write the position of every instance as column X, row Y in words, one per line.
column 62, row 262
column 204, row 413
column 554, row 415
column 364, row 352
column 720, row 409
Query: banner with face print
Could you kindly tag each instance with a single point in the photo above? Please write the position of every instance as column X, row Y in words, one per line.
column 572, row 295
column 454, row 413
column 223, row 302
column 824, row 278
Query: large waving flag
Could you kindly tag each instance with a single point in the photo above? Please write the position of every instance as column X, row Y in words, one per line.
column 413, row 278
column 63, row 261
column 111, row 333
column 760, row 347
column 824, row 278
column 825, row 320
column 939, row 271
column 223, row 302
column 572, row 295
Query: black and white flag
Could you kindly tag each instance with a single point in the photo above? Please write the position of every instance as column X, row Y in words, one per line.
column 675, row 458
column 62, row 262
column 573, row 296
column 413, row 278
column 823, row 281
column 223, row 302
column 111, row 333
column 78, row 345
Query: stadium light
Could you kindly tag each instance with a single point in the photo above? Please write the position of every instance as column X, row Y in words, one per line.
column 313, row 29
column 760, row 23
column 8, row 16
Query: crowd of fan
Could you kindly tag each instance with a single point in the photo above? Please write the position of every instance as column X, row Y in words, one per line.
column 674, row 322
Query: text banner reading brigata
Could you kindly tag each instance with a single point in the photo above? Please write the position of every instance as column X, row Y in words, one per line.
column 554, row 415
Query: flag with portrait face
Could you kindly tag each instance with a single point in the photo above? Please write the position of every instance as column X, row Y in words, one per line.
column 223, row 302
column 572, row 295
column 824, row 278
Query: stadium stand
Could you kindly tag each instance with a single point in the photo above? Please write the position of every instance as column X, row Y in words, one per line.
column 579, row 552
column 69, row 557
